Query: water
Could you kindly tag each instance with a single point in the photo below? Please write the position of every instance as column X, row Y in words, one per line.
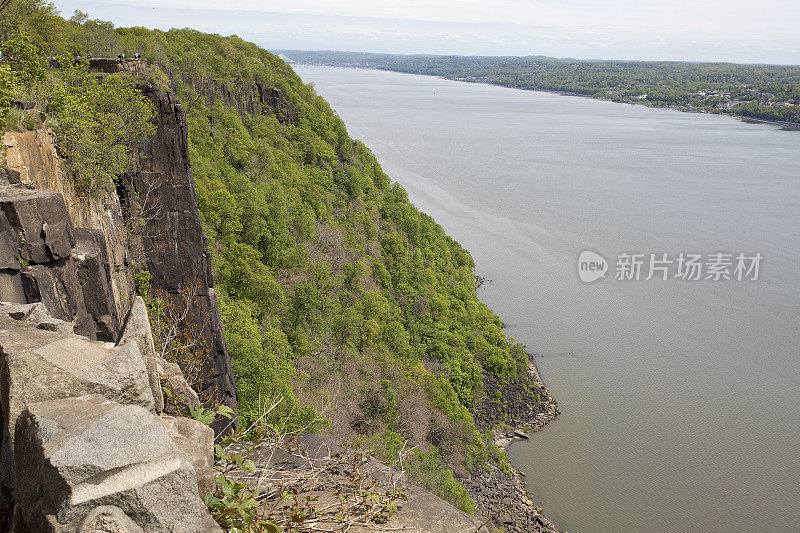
column 680, row 400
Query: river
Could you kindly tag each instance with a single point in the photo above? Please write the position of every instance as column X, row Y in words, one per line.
column 680, row 399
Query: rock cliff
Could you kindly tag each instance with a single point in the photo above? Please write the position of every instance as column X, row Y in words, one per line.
column 88, row 442
column 172, row 240
column 165, row 238
column 85, row 435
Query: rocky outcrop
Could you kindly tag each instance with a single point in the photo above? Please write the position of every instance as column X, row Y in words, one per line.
column 76, row 454
column 84, row 443
column 97, row 233
column 137, row 331
column 107, row 518
column 181, row 398
column 175, row 248
column 247, row 98
column 169, row 242
column 94, row 277
column 503, row 502
column 501, row 497
column 36, row 257
column 196, row 440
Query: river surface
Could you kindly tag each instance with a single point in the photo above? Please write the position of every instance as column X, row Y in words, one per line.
column 680, row 399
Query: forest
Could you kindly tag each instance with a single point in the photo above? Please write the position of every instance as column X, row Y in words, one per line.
column 766, row 92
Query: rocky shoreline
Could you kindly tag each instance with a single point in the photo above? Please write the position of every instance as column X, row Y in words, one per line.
column 502, row 500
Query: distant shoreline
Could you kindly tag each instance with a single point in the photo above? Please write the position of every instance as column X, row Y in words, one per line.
column 744, row 118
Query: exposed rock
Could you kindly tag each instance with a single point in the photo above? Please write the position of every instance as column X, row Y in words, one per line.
column 9, row 245
column 36, row 230
column 90, row 456
column 196, row 440
column 11, row 289
column 176, row 254
column 108, row 519
column 91, row 263
column 520, row 434
column 502, row 501
column 248, row 98
column 38, row 365
column 10, row 177
column 110, row 65
column 501, row 498
column 137, row 330
column 30, row 313
column 56, row 285
column 42, row 222
column 182, row 397
column 33, row 154
column 75, row 454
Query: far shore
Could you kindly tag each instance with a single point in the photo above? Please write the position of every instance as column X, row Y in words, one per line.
column 744, row 118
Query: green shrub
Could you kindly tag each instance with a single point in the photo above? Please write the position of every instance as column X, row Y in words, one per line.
column 429, row 472
column 101, row 123
column 14, row 118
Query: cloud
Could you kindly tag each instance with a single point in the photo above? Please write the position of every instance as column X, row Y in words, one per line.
column 712, row 30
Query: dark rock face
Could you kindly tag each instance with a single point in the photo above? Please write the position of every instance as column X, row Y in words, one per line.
column 248, row 98
column 173, row 240
column 91, row 265
column 36, row 234
column 9, row 177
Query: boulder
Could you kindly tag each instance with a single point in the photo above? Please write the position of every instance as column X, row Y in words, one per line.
column 36, row 240
column 38, row 365
column 73, row 455
column 108, row 519
column 56, row 285
column 137, row 330
column 196, row 440
column 181, row 398
column 41, row 220
column 91, row 265
column 520, row 434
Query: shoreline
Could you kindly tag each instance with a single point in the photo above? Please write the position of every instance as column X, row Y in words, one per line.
column 744, row 118
column 502, row 499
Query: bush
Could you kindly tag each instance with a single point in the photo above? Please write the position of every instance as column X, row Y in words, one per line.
column 14, row 118
column 101, row 123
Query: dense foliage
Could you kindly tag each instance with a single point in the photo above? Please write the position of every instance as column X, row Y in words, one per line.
column 336, row 294
column 98, row 121
column 768, row 92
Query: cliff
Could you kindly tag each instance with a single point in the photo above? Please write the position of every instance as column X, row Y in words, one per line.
column 166, row 235
column 88, row 443
column 346, row 309
column 172, row 239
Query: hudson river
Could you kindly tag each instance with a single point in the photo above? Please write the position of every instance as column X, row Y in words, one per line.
column 680, row 398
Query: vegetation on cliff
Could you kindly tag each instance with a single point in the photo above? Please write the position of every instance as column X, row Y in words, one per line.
column 336, row 294
column 98, row 121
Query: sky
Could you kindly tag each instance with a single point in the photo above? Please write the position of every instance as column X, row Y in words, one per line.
column 763, row 31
